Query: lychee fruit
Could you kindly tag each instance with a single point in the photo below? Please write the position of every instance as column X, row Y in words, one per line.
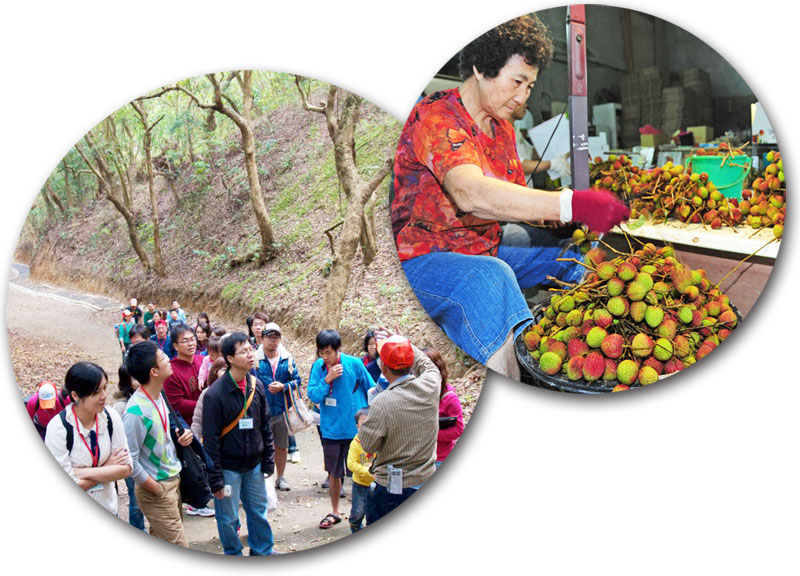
column 615, row 286
column 673, row 365
column 575, row 368
column 577, row 347
column 611, row 370
column 647, row 375
column 602, row 317
column 618, row 306
column 627, row 371
column 642, row 345
column 653, row 316
column 626, row 271
column 595, row 337
column 531, row 340
column 663, row 349
column 655, row 364
column 613, row 345
column 594, row 366
column 550, row 363
column 636, row 291
column 637, row 311
column 620, row 388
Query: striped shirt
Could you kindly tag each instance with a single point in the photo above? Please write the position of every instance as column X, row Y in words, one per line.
column 403, row 425
column 151, row 449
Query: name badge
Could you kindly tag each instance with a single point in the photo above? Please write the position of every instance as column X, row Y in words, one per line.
column 96, row 488
column 246, row 424
column 330, row 402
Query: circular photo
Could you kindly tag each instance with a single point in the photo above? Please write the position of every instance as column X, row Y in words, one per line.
column 588, row 199
column 210, row 328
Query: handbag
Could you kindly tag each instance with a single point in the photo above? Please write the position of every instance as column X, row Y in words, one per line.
column 194, row 487
column 297, row 415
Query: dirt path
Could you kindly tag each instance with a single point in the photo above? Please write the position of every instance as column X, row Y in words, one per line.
column 48, row 332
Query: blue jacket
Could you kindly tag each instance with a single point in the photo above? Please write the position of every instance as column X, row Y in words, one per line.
column 166, row 348
column 339, row 402
column 285, row 373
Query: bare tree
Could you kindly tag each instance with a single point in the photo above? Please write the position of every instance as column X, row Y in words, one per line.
column 341, row 111
column 243, row 119
column 147, row 140
column 48, row 191
column 110, row 189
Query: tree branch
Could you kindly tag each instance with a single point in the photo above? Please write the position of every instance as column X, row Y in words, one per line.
column 378, row 177
column 307, row 105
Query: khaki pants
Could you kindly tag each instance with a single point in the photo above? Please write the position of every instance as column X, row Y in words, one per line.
column 164, row 511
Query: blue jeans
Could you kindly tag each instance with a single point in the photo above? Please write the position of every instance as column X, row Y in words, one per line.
column 135, row 516
column 380, row 502
column 292, row 445
column 250, row 487
column 478, row 300
column 359, row 508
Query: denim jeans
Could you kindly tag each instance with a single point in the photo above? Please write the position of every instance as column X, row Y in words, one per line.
column 292, row 444
column 135, row 516
column 250, row 487
column 380, row 502
column 359, row 508
column 478, row 300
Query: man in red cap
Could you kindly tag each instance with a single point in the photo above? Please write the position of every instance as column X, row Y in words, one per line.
column 45, row 404
column 404, row 460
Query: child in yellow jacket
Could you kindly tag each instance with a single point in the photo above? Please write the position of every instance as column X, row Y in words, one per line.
column 359, row 461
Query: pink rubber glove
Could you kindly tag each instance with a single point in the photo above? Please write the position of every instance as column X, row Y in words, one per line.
column 598, row 209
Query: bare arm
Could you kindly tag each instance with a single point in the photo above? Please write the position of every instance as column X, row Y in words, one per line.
column 495, row 199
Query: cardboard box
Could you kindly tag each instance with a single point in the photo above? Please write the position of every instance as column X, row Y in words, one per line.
column 653, row 140
column 701, row 133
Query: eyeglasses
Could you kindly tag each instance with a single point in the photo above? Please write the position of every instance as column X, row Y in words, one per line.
column 246, row 351
column 186, row 341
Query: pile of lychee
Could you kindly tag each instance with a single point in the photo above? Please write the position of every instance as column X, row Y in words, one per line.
column 634, row 319
column 764, row 202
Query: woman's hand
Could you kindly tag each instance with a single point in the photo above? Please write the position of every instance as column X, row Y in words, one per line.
column 598, row 209
column 118, row 458
column 276, row 387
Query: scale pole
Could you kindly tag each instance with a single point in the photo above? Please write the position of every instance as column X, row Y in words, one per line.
column 578, row 103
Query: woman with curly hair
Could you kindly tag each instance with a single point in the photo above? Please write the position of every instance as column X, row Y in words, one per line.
column 458, row 176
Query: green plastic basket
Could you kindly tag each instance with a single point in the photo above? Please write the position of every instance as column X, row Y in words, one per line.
column 726, row 172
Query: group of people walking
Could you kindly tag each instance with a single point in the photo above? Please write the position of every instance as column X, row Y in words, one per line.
column 223, row 399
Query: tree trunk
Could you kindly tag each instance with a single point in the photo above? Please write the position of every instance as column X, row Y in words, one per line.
column 107, row 187
column 158, row 265
column 56, row 200
column 369, row 242
column 67, row 190
column 336, row 287
column 358, row 227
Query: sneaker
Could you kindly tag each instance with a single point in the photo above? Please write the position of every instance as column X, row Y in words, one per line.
column 282, row 484
column 294, row 457
column 206, row 512
column 325, row 483
column 342, row 493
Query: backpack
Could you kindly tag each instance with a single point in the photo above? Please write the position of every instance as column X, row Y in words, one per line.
column 68, row 427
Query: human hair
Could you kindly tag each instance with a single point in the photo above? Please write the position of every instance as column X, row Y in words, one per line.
column 488, row 53
column 327, row 338
column 360, row 413
column 177, row 331
column 84, row 379
column 219, row 331
column 215, row 367
column 437, row 359
column 214, row 345
column 367, row 337
column 125, row 382
column 142, row 357
column 204, row 327
column 249, row 323
column 140, row 330
column 229, row 345
column 204, row 317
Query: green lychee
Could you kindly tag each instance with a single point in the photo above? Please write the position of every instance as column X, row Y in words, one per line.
column 653, row 316
column 663, row 349
column 637, row 311
column 642, row 345
column 645, row 279
column 602, row 317
column 615, row 286
column 618, row 306
column 626, row 271
column 566, row 304
column 636, row 291
column 605, row 270
column 594, row 338
column 531, row 340
column 668, row 328
column 550, row 363
column 685, row 314
column 574, row 317
column 647, row 375
column 627, row 371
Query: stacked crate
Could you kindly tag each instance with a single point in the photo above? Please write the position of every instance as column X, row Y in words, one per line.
column 697, row 82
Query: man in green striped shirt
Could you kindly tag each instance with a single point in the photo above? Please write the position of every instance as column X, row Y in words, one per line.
column 156, row 468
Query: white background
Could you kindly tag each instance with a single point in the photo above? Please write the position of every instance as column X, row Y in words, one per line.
column 695, row 476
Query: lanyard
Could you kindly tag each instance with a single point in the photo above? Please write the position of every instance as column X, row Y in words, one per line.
column 244, row 394
column 95, row 452
column 162, row 417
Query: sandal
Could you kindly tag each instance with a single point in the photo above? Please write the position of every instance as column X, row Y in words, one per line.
column 329, row 520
